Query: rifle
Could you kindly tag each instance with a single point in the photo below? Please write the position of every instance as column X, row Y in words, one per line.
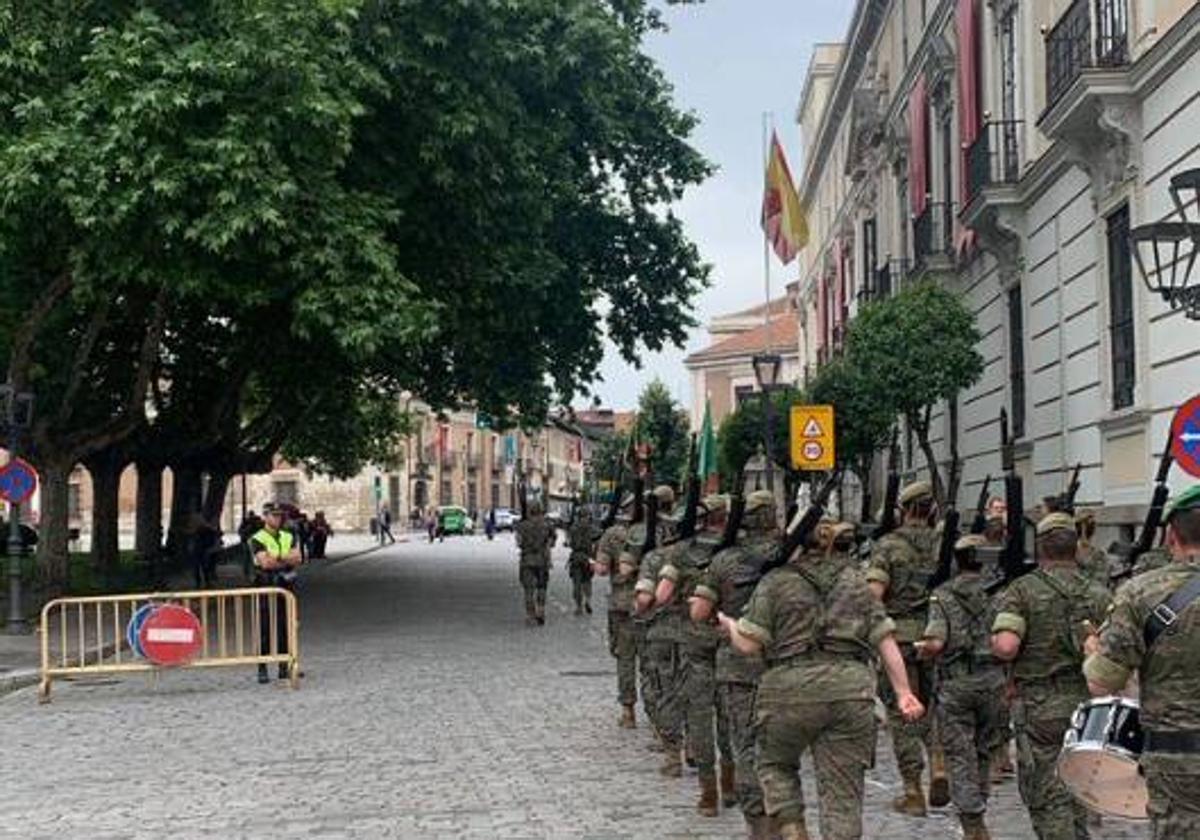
column 1154, row 515
column 737, row 512
column 950, row 522
column 614, row 504
column 798, row 536
column 691, row 510
column 1068, row 500
column 979, row 524
column 651, row 540
column 1013, row 561
column 887, row 522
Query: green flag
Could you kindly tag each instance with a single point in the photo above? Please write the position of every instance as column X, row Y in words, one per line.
column 707, row 461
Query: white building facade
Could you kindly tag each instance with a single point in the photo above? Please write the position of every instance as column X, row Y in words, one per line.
column 1004, row 148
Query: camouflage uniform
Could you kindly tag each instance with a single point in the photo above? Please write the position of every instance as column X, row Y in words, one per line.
column 1093, row 562
column 904, row 561
column 819, row 626
column 621, row 640
column 535, row 538
column 737, row 676
column 1169, row 674
column 663, row 660
column 1046, row 609
column 970, row 688
column 581, row 537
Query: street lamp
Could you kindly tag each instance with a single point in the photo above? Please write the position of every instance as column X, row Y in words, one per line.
column 18, row 416
column 1162, row 253
column 766, row 371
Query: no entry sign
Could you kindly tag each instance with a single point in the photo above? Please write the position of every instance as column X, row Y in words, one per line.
column 170, row 636
column 1185, row 436
column 18, row 481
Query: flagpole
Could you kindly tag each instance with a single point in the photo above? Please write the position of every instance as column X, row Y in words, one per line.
column 766, row 147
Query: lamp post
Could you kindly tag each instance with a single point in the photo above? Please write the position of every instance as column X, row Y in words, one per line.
column 766, row 371
column 18, row 416
column 1162, row 253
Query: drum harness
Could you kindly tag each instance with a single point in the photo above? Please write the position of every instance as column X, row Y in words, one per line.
column 1163, row 618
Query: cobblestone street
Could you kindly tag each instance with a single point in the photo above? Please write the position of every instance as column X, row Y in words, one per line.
column 428, row 711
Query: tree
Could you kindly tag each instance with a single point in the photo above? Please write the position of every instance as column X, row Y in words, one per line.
column 664, row 425
column 912, row 351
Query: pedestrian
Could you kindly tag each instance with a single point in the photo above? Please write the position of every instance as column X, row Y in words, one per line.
column 385, row 526
column 204, row 547
column 535, row 538
column 1154, row 630
column 621, row 645
column 970, row 683
column 726, row 587
column 320, row 533
column 490, row 526
column 899, row 571
column 276, row 558
column 1042, row 621
column 819, row 627
column 581, row 538
column 431, row 524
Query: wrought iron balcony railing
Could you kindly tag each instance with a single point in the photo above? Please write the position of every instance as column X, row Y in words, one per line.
column 995, row 158
column 1092, row 33
column 933, row 231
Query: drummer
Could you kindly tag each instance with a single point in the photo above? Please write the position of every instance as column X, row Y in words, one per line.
column 1154, row 629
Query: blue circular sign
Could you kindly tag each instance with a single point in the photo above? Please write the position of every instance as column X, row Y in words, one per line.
column 133, row 630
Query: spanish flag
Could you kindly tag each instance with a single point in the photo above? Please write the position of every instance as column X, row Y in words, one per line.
column 783, row 219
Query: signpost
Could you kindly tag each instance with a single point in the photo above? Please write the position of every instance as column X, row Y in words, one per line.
column 170, row 636
column 1185, row 437
column 812, row 438
column 18, row 481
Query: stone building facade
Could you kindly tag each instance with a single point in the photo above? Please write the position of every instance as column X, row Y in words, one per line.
column 1004, row 148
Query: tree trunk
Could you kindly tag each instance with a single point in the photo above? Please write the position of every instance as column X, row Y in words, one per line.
column 214, row 495
column 864, row 477
column 149, row 530
column 54, row 528
column 185, row 500
column 105, row 470
column 956, row 476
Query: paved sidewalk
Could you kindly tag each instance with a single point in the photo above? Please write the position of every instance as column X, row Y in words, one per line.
column 428, row 711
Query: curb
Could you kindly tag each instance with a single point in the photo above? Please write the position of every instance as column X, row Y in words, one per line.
column 19, row 679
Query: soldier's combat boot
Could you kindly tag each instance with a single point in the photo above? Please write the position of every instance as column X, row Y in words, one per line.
column 672, row 766
column 939, row 785
column 973, row 827
column 707, row 805
column 628, row 719
column 793, row 831
column 587, row 607
column 912, row 801
column 728, row 784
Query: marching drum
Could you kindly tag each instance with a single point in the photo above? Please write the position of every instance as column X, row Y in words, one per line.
column 1100, row 755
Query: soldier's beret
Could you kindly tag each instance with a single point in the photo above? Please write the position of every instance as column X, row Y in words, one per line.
column 1189, row 499
column 665, row 495
column 915, row 492
column 759, row 499
column 970, row 541
column 1057, row 521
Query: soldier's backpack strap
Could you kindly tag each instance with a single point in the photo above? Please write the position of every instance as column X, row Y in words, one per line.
column 1167, row 613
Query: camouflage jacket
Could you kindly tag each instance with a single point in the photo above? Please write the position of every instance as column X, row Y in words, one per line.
column 1169, row 672
column 1094, row 563
column 818, row 620
column 608, row 553
column 665, row 622
column 1046, row 609
column 960, row 616
column 581, row 537
column 717, row 585
column 904, row 561
column 624, row 573
column 535, row 538
column 686, row 569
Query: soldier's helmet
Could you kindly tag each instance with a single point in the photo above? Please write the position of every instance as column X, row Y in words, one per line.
column 760, row 512
column 918, row 491
column 714, row 504
column 665, row 496
column 1057, row 521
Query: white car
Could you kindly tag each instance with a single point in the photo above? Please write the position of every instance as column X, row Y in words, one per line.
column 506, row 519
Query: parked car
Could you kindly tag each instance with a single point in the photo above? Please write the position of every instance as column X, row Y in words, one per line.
column 506, row 519
column 454, row 520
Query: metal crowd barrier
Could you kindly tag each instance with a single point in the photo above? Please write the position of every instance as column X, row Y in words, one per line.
column 88, row 636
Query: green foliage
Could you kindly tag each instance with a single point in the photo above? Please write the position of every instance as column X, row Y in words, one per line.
column 744, row 432
column 664, row 424
column 863, row 419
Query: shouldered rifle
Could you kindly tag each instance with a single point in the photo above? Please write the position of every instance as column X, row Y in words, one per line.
column 687, row 527
column 614, row 503
column 1068, row 501
column 950, row 521
column 979, row 523
column 798, row 537
column 887, row 522
column 651, row 540
column 639, row 503
column 1013, row 561
column 737, row 511
column 1154, row 514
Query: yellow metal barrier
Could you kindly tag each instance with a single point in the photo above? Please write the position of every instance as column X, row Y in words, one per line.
column 87, row 636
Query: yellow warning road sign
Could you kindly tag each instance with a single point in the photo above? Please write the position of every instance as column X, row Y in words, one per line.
column 812, row 429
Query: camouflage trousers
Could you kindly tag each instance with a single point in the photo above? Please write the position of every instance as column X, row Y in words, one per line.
column 968, row 710
column 533, row 581
column 622, row 644
column 841, row 738
column 737, row 704
column 1054, row 812
column 581, row 590
column 706, row 726
column 1174, row 783
column 645, row 670
column 909, row 740
column 665, row 667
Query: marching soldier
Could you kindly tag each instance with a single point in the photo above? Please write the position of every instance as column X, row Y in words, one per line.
column 1154, row 629
column 726, row 586
column 901, row 566
column 1041, row 623
column 1092, row 559
column 971, row 683
column 535, row 538
column 818, row 625
column 621, row 643
column 581, row 537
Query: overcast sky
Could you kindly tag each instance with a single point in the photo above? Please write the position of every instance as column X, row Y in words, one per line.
column 730, row 61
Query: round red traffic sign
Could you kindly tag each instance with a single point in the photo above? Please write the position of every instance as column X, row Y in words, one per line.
column 813, row 451
column 171, row 636
column 1185, row 436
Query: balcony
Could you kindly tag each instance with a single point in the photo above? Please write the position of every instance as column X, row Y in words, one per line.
column 933, row 238
column 884, row 281
column 994, row 211
column 995, row 158
column 472, row 460
column 1093, row 34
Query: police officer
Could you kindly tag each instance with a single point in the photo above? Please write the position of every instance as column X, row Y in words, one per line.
column 901, row 566
column 1154, row 629
column 819, row 625
column 1042, row 621
column 970, row 683
column 535, row 538
column 276, row 558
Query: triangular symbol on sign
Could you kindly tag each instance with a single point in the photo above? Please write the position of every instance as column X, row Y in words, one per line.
column 812, row 429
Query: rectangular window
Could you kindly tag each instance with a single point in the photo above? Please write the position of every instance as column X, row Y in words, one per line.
column 74, row 503
column 870, row 252
column 741, row 393
column 495, row 495
column 287, row 492
column 1008, row 66
column 1120, row 307
column 1016, row 360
